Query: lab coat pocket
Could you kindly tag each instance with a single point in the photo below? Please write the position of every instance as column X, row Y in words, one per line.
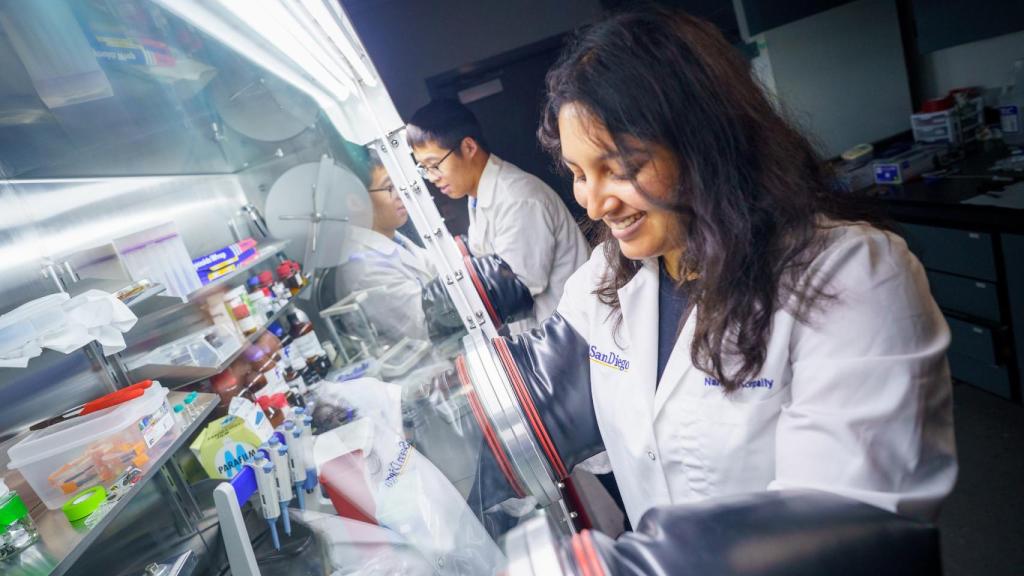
column 738, row 442
column 688, row 455
column 718, row 445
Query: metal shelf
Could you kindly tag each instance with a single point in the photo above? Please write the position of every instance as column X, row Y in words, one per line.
column 61, row 544
column 112, row 286
column 145, row 295
column 263, row 253
column 179, row 376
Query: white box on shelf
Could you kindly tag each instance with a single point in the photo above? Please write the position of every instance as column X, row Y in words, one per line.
column 158, row 254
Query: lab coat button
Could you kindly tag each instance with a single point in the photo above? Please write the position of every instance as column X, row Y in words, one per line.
column 650, row 454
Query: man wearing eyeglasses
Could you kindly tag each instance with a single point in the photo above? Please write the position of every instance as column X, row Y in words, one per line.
column 512, row 213
column 384, row 258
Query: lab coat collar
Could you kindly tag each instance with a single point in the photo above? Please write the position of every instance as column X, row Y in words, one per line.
column 638, row 334
column 678, row 366
column 360, row 238
column 413, row 255
column 636, row 299
column 488, row 185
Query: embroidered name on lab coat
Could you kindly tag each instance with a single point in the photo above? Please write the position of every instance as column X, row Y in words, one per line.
column 759, row 383
column 609, row 359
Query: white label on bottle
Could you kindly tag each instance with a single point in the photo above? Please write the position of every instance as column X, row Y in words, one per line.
column 309, row 345
column 280, row 384
column 1009, row 119
column 161, row 422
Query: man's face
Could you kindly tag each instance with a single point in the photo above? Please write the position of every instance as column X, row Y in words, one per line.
column 450, row 170
column 388, row 212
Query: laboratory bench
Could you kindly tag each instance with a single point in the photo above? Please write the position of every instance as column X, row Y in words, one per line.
column 966, row 225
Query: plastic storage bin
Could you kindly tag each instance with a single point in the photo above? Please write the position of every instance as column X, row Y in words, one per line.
column 158, row 254
column 65, row 458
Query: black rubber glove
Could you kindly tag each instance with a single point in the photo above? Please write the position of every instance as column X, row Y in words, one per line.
column 549, row 370
column 783, row 533
column 505, row 297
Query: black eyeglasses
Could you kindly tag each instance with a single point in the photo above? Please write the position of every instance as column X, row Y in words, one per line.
column 390, row 189
column 426, row 171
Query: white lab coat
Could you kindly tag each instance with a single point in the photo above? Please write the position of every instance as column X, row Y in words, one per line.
column 857, row 403
column 520, row 218
column 371, row 259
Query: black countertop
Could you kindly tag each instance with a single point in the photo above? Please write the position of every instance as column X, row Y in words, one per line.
column 939, row 201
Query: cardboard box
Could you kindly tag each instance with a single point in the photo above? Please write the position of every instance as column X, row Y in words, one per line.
column 229, row 443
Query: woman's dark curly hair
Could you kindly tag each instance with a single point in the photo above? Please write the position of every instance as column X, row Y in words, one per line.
column 753, row 193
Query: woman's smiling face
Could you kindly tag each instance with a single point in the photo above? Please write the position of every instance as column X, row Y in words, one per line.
column 614, row 186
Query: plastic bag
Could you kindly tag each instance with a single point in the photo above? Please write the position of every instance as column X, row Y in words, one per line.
column 374, row 475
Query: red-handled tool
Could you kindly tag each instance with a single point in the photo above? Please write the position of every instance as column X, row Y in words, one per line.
column 103, row 402
column 114, row 398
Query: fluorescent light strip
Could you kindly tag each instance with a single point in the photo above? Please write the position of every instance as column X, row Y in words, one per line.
column 332, row 24
column 271, row 21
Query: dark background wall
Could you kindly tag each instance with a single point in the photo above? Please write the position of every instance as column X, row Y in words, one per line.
column 445, row 47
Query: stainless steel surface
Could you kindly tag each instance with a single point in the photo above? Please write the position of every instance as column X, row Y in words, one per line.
column 182, row 520
column 517, row 553
column 48, row 220
column 182, row 492
column 542, row 543
column 70, row 215
column 181, row 565
column 60, row 544
column 499, row 402
column 51, row 384
column 179, row 376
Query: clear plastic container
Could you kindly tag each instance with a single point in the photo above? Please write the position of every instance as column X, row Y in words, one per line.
column 158, row 254
column 402, row 357
column 76, row 454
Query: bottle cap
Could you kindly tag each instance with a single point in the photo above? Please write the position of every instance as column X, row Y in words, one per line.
column 179, row 408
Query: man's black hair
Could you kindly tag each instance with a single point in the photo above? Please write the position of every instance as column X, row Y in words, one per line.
column 445, row 122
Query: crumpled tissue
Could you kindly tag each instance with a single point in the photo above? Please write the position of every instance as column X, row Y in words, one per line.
column 64, row 324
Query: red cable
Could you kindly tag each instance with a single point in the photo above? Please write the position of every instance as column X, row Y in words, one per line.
column 531, row 411
column 485, row 426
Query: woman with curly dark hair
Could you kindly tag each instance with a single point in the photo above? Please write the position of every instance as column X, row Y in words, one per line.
column 745, row 327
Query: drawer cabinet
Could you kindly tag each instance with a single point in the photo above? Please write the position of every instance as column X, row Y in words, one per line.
column 967, row 277
column 960, row 252
column 995, row 379
column 974, row 341
column 968, row 296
